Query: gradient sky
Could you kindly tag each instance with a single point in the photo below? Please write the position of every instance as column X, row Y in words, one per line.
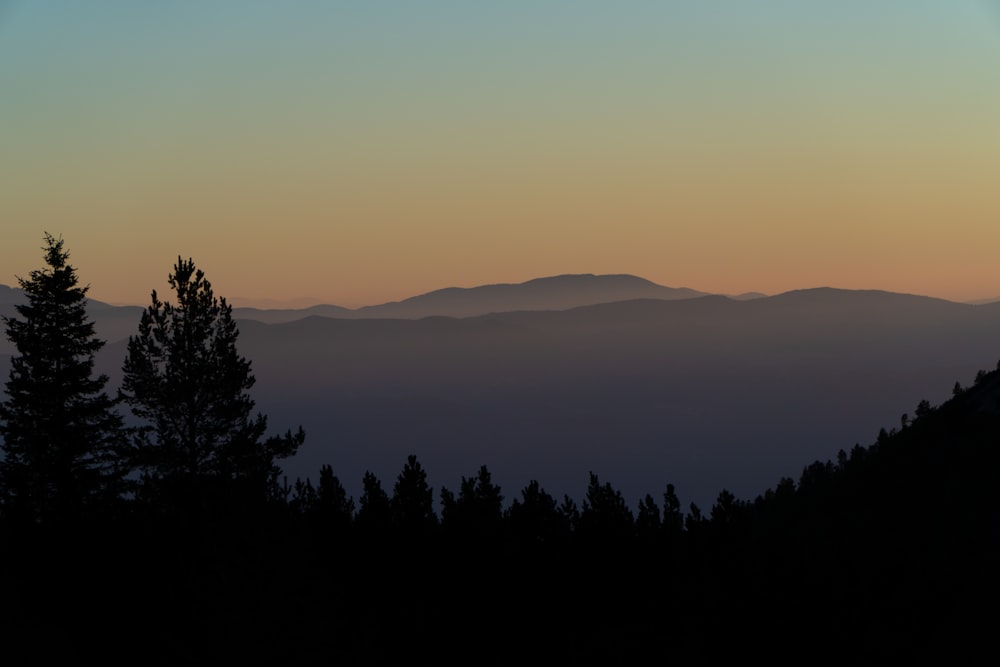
column 365, row 151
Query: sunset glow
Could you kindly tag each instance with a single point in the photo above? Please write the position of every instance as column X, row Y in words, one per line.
column 356, row 153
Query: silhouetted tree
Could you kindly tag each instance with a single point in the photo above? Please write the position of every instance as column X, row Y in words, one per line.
column 334, row 506
column 328, row 506
column 412, row 503
column 786, row 485
column 842, row 460
column 726, row 509
column 858, row 453
column 694, row 520
column 647, row 520
column 63, row 444
column 569, row 512
column 184, row 377
column 815, row 475
column 781, row 495
column 477, row 510
column 673, row 518
column 605, row 513
column 374, row 513
column 536, row 518
column 302, row 497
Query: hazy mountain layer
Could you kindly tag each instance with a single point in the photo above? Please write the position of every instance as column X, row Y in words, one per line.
column 551, row 293
column 704, row 393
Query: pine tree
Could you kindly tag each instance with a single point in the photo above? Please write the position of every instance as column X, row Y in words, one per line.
column 535, row 518
column 605, row 514
column 647, row 521
column 63, row 441
column 374, row 511
column 412, row 502
column 335, row 507
column 569, row 514
column 478, row 509
column 185, row 379
column 673, row 518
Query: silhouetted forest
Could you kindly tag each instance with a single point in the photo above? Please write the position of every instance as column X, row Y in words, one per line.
column 178, row 541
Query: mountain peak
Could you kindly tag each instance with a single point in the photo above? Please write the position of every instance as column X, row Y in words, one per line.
column 559, row 292
column 590, row 278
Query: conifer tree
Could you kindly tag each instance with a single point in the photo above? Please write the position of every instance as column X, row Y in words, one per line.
column 184, row 377
column 535, row 517
column 63, row 442
column 334, row 506
column 412, row 502
column 374, row 506
column 648, row 521
column 673, row 518
column 478, row 509
column 569, row 513
column 605, row 513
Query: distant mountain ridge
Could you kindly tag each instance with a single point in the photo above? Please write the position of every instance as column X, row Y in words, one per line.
column 550, row 293
column 10, row 295
column 555, row 293
column 709, row 392
column 558, row 292
column 983, row 302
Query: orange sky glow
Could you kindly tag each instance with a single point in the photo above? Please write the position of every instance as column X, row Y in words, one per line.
column 360, row 154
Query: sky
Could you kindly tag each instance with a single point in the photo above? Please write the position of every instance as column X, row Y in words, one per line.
column 357, row 152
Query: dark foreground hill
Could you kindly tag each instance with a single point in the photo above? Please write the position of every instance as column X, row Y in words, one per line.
column 883, row 555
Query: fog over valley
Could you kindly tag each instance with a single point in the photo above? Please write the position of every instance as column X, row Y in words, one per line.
column 702, row 391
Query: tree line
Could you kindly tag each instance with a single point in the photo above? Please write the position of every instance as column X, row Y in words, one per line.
column 878, row 556
column 69, row 456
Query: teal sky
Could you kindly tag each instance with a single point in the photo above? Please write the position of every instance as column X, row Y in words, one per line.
column 357, row 152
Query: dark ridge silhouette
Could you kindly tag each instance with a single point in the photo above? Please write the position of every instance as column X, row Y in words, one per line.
column 191, row 551
column 891, row 548
column 205, row 557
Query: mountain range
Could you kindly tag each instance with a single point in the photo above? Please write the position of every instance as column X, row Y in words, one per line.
column 551, row 293
column 553, row 378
